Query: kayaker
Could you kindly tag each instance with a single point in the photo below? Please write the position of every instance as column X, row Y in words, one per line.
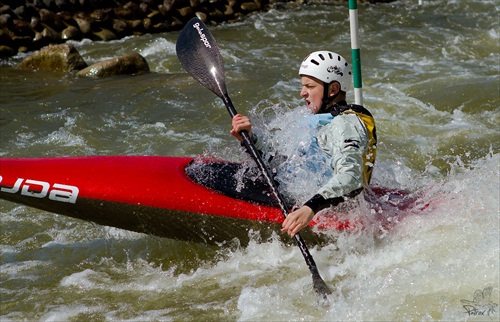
column 347, row 137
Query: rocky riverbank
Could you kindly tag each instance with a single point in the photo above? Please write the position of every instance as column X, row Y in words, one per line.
column 34, row 24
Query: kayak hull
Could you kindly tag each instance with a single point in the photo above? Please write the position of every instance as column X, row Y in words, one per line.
column 147, row 194
column 154, row 195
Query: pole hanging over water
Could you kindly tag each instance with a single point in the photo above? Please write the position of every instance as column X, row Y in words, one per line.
column 355, row 52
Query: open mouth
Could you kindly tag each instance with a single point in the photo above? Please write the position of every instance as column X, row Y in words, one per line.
column 309, row 105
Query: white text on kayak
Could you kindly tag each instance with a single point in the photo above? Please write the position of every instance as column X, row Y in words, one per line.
column 42, row 189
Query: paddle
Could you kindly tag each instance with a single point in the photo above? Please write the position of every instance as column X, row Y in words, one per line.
column 199, row 55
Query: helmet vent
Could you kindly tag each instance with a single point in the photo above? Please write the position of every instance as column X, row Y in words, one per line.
column 314, row 62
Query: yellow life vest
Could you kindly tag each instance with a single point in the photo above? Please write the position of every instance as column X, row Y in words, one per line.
column 369, row 122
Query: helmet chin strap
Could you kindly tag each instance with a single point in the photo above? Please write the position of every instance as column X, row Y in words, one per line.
column 327, row 100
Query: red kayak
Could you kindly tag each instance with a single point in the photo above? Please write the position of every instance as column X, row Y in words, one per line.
column 200, row 200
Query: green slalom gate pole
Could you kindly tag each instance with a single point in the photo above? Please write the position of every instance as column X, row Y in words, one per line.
column 355, row 52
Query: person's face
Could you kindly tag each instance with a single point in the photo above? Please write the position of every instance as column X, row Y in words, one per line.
column 312, row 93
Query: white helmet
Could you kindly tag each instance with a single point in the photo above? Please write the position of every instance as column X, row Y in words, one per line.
column 327, row 66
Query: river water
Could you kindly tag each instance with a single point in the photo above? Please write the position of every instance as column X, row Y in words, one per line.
column 431, row 79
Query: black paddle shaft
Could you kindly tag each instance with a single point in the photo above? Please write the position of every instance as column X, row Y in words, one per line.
column 199, row 54
column 250, row 146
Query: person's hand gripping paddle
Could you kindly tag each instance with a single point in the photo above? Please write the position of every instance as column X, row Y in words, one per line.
column 199, row 55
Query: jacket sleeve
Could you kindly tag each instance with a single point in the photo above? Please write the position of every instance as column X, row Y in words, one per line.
column 345, row 140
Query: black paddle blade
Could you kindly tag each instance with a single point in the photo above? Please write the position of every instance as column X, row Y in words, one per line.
column 321, row 289
column 199, row 55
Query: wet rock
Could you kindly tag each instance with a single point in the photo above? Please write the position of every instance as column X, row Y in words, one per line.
column 202, row 16
column 6, row 20
column 47, row 36
column 6, row 51
column 62, row 58
column 22, row 28
column 5, row 9
column 71, row 32
column 130, row 64
column 101, row 15
column 20, row 12
column 35, row 23
column 134, row 24
column 216, row 14
column 129, row 10
column 144, row 7
column 249, row 6
column 51, row 19
column 106, row 35
column 65, row 17
column 84, row 24
column 186, row 11
column 162, row 26
column 147, row 24
column 119, row 26
column 229, row 11
column 167, row 6
column 6, row 38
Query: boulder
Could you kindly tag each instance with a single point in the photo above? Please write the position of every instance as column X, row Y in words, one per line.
column 71, row 32
column 84, row 23
column 105, row 34
column 130, row 64
column 61, row 58
column 6, row 51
